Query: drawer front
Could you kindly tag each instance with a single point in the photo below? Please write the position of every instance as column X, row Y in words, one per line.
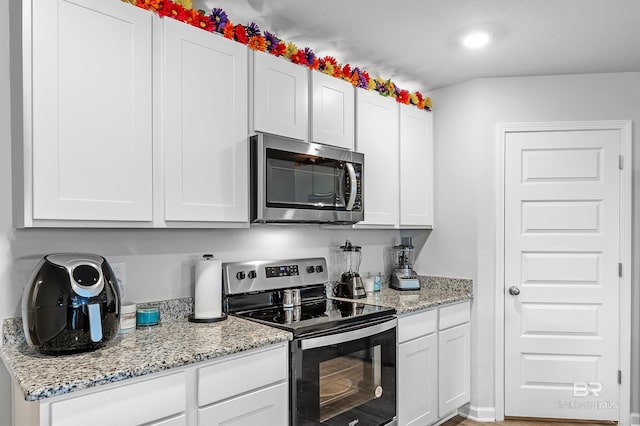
column 453, row 315
column 416, row 325
column 266, row 407
column 241, row 374
column 138, row 403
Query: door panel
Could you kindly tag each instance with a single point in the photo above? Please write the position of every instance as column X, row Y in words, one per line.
column 562, row 252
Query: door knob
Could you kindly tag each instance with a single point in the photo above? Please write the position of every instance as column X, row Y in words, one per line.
column 514, row 291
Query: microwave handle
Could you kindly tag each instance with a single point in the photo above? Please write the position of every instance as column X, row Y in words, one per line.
column 353, row 190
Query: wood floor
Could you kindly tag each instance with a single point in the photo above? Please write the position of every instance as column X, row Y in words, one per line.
column 461, row 421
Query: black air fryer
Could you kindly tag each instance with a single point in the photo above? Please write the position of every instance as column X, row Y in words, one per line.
column 71, row 304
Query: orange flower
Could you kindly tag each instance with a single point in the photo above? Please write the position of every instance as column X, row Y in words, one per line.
column 149, row 4
column 257, row 43
column 229, row 30
column 315, row 64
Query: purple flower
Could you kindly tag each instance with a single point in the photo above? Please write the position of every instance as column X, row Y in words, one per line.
column 253, row 30
column 310, row 55
column 362, row 81
column 219, row 18
column 272, row 40
column 382, row 88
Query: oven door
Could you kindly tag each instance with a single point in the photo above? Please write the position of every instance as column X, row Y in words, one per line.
column 345, row 378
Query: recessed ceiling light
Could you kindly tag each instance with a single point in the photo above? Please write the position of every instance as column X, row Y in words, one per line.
column 476, row 39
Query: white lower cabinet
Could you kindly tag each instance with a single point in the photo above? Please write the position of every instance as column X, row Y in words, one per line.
column 266, row 407
column 418, row 368
column 454, row 358
column 140, row 403
column 243, row 389
column 417, row 374
column 433, row 364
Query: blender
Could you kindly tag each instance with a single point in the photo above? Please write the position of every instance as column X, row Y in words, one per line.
column 403, row 276
column 350, row 284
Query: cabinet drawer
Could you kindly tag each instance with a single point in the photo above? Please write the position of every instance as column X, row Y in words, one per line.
column 265, row 407
column 241, row 374
column 415, row 325
column 453, row 315
column 138, row 403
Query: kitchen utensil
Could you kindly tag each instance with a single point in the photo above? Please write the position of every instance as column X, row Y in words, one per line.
column 350, row 284
column 71, row 304
column 403, row 276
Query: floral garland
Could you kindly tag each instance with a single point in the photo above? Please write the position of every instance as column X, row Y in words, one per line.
column 264, row 41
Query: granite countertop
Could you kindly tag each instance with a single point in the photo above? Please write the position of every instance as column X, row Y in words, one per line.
column 174, row 343
column 434, row 291
column 177, row 342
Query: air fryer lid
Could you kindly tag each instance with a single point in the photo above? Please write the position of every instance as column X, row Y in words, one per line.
column 85, row 271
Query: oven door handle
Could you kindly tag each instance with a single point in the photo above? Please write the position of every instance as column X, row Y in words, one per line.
column 347, row 336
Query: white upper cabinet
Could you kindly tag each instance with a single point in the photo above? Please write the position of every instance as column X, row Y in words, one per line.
column 87, row 113
column 280, row 97
column 204, row 126
column 377, row 138
column 416, row 167
column 332, row 110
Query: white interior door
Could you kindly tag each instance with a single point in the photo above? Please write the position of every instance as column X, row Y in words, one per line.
column 562, row 218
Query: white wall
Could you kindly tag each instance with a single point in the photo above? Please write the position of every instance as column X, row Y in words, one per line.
column 465, row 196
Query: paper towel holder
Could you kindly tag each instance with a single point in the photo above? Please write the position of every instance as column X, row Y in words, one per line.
column 192, row 317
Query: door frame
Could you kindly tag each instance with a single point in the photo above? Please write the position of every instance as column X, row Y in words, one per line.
column 624, row 355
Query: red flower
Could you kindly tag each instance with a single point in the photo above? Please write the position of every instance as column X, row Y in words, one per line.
column 198, row 19
column 403, row 97
column 174, row 10
column 315, row 64
column 299, row 57
column 346, row 72
column 279, row 49
column 241, row 34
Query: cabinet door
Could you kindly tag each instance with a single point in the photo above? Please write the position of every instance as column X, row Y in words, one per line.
column 418, row 381
column 377, row 138
column 91, row 111
column 205, row 126
column 416, row 167
column 280, row 97
column 139, row 403
column 333, row 105
column 265, row 407
column 454, row 368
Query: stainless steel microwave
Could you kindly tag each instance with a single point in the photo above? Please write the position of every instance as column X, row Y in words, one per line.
column 301, row 182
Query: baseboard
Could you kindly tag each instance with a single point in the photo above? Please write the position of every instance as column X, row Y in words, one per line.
column 479, row 414
column 634, row 420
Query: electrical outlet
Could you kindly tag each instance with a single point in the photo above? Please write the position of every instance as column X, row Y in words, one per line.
column 120, row 270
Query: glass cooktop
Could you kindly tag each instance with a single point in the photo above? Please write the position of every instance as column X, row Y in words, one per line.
column 317, row 315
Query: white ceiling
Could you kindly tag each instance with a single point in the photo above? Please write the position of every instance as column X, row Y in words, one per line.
column 415, row 42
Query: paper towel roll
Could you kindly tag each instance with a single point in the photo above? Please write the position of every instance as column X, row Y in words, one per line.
column 208, row 289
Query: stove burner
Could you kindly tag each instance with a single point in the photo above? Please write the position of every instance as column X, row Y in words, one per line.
column 315, row 315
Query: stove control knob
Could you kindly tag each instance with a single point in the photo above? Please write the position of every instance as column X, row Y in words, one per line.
column 252, row 275
column 311, row 269
column 319, row 268
column 240, row 275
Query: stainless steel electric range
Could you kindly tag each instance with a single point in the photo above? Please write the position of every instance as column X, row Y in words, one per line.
column 343, row 355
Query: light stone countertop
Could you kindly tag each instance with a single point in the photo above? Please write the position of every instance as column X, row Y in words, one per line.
column 434, row 292
column 173, row 343
column 177, row 342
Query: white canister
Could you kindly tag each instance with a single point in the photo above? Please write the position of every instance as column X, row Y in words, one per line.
column 127, row 317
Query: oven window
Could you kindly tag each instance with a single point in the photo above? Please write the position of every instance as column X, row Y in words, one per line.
column 349, row 381
column 304, row 181
column 337, row 384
